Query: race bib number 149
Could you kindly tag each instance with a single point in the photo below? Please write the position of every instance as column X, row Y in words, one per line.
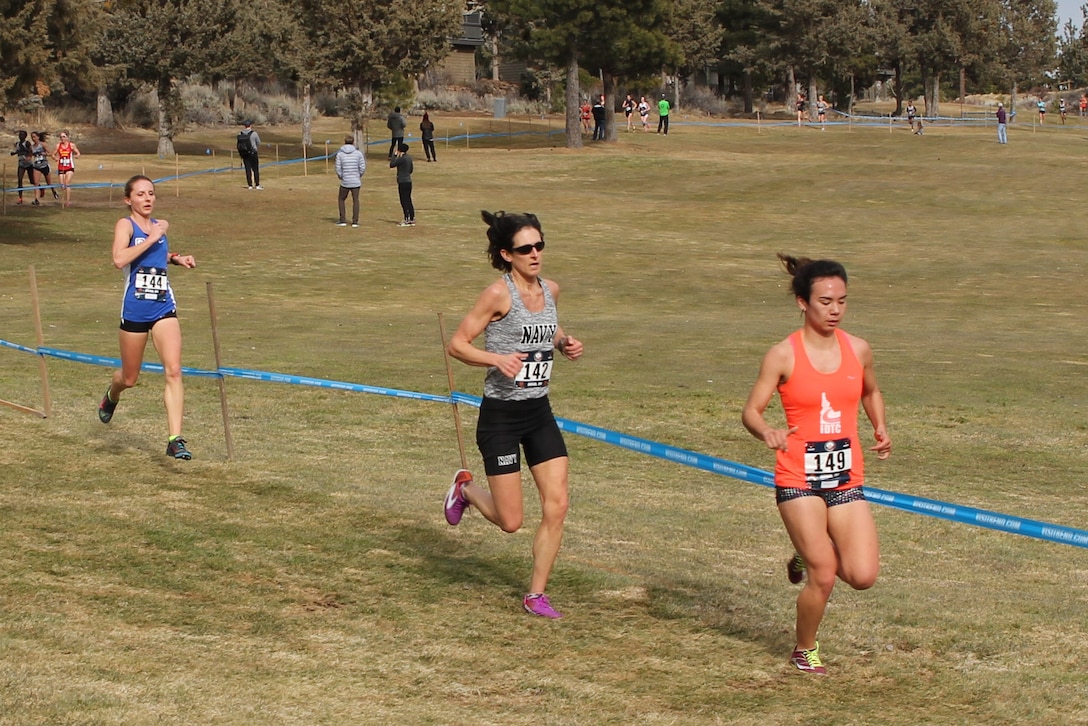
column 828, row 463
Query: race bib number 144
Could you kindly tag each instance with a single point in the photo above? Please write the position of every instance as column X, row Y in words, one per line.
column 151, row 284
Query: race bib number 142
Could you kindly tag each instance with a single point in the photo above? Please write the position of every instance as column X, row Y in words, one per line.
column 536, row 370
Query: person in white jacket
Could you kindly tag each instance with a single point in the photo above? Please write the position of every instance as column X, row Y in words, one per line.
column 350, row 167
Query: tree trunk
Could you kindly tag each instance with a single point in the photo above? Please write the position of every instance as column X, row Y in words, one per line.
column 362, row 114
column 608, row 81
column 1012, row 103
column 105, row 110
column 812, row 96
column 963, row 89
column 573, row 121
column 748, row 91
column 898, row 89
column 166, row 102
column 307, row 102
column 791, row 90
column 932, row 86
column 850, row 101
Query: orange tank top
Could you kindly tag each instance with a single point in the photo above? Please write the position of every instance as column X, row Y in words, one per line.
column 824, row 452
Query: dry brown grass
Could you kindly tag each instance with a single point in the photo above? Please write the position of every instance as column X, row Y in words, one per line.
column 312, row 580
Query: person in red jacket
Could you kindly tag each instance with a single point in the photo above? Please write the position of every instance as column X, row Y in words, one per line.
column 822, row 375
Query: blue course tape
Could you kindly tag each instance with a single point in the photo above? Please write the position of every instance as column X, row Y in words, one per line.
column 323, row 383
column 99, row 360
column 904, row 502
column 16, row 346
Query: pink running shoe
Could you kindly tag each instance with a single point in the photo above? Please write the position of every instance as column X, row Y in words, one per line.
column 537, row 603
column 456, row 503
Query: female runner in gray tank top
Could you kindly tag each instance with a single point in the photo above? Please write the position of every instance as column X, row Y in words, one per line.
column 517, row 315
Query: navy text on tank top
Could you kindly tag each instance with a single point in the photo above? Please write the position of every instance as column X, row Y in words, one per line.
column 522, row 331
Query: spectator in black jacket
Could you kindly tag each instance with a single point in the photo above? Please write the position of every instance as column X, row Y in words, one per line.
column 598, row 119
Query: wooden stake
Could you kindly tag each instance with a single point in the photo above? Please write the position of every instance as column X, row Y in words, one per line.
column 222, row 382
column 38, row 330
column 449, row 378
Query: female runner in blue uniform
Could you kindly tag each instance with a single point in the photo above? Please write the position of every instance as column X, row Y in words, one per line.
column 148, row 308
column 517, row 315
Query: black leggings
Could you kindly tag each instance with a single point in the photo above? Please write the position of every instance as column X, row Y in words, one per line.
column 28, row 172
column 428, row 149
column 253, row 169
column 405, row 189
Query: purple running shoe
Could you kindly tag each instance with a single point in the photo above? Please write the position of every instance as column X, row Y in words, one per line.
column 537, row 603
column 456, row 503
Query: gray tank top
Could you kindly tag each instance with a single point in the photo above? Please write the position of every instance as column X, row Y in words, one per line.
column 523, row 332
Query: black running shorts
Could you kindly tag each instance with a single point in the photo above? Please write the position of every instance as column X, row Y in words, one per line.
column 505, row 427
column 131, row 326
column 831, row 497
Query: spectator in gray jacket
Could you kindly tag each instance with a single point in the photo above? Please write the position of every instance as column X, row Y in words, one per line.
column 350, row 167
column 396, row 125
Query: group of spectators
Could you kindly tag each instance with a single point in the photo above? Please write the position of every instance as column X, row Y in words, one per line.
column 351, row 167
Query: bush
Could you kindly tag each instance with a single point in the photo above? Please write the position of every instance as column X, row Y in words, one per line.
column 142, row 110
column 525, row 107
column 448, row 99
column 702, row 100
column 327, row 103
column 203, row 106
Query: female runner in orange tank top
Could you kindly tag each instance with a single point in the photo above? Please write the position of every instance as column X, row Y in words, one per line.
column 822, row 374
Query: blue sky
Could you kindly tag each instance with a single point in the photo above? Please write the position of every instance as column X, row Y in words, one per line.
column 1069, row 10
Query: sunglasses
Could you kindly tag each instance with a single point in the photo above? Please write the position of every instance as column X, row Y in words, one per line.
column 526, row 249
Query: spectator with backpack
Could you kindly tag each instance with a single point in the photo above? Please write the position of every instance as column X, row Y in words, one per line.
column 248, row 145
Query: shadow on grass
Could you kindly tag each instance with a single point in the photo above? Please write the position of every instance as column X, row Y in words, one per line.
column 732, row 610
column 451, row 562
column 36, row 228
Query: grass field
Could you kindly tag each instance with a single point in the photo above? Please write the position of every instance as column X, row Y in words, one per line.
column 313, row 580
